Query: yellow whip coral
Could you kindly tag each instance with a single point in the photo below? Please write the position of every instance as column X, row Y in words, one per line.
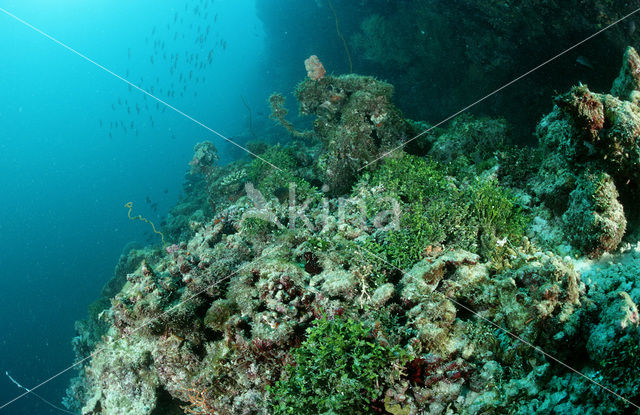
column 129, row 205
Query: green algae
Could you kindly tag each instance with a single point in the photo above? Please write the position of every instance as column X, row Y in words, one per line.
column 339, row 368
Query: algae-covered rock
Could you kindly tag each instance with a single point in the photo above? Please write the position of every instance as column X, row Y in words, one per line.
column 204, row 159
column 425, row 276
column 339, row 283
column 597, row 129
column 476, row 139
column 355, row 121
column 627, row 85
column 382, row 295
column 595, row 220
column 122, row 379
column 590, row 168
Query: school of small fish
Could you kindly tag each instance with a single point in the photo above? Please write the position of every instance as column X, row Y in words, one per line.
column 181, row 52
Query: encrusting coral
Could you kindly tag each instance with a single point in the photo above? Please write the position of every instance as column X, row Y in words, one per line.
column 417, row 285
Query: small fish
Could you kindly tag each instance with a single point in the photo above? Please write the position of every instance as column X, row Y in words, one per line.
column 581, row 60
column 631, row 28
column 148, row 200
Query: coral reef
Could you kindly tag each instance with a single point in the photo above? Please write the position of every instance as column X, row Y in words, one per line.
column 441, row 282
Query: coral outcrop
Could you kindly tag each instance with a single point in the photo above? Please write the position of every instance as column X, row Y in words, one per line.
column 424, row 285
column 356, row 123
column 590, row 163
column 595, row 221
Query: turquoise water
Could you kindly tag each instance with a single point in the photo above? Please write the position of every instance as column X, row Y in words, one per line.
column 65, row 179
